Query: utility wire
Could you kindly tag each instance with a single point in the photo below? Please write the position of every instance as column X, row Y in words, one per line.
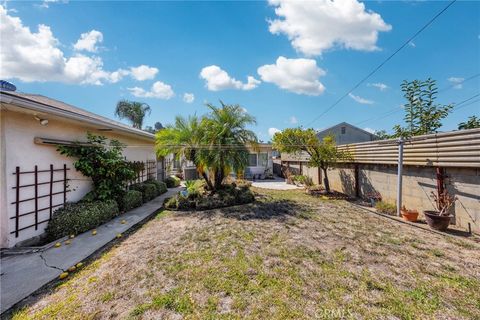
column 384, row 62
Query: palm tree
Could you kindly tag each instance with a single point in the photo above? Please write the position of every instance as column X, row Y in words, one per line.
column 225, row 139
column 133, row 111
column 183, row 139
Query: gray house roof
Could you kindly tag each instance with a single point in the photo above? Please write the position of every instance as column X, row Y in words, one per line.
column 342, row 124
column 48, row 105
column 346, row 133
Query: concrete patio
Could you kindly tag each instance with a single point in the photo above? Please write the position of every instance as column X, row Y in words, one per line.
column 23, row 274
column 276, row 184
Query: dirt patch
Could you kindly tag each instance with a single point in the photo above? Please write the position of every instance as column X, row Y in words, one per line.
column 288, row 255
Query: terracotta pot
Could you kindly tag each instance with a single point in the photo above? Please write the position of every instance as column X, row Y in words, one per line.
column 437, row 222
column 410, row 215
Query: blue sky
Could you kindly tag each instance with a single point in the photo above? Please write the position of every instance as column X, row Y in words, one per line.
column 300, row 57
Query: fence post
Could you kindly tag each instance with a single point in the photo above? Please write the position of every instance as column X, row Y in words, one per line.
column 36, row 197
column 64, row 183
column 399, row 176
column 51, row 189
column 17, row 202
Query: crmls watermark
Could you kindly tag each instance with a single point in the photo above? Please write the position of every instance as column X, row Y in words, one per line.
column 334, row 313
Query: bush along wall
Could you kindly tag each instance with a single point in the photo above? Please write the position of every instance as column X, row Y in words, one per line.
column 75, row 218
column 172, row 182
column 130, row 200
column 148, row 190
column 160, row 186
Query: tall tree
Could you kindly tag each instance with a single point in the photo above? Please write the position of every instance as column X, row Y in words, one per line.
column 472, row 123
column 422, row 115
column 323, row 154
column 225, row 139
column 133, row 111
column 157, row 126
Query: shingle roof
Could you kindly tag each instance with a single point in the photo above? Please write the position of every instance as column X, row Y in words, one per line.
column 60, row 105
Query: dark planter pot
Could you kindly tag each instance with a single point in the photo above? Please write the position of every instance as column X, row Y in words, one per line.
column 436, row 221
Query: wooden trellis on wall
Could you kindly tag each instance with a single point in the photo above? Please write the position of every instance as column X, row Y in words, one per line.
column 55, row 182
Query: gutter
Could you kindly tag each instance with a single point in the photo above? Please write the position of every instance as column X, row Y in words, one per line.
column 40, row 107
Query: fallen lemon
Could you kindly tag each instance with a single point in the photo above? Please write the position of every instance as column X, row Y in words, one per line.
column 63, row 275
column 58, row 244
column 123, row 221
column 119, row 235
column 72, row 236
column 72, row 268
column 94, row 232
column 68, row 242
column 79, row 265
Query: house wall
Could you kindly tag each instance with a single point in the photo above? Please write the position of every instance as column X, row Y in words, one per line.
column 351, row 135
column 19, row 149
column 261, row 169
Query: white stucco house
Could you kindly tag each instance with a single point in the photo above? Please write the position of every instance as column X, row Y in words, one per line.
column 259, row 163
column 33, row 173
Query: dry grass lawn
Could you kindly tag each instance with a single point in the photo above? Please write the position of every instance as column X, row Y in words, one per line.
column 287, row 256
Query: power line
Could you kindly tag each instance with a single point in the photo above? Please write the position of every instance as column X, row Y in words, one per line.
column 384, row 62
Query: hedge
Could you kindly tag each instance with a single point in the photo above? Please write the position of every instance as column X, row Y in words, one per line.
column 130, row 200
column 161, row 186
column 172, row 182
column 75, row 218
column 148, row 190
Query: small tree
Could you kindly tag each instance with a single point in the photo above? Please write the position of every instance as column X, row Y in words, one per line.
column 422, row 115
column 323, row 154
column 104, row 163
column 472, row 123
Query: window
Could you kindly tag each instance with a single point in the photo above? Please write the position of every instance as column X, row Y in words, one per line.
column 252, row 160
column 343, row 130
column 263, row 159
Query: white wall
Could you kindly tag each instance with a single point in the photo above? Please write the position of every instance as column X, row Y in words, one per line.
column 18, row 149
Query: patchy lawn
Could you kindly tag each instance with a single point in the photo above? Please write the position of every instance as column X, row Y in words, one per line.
column 287, row 256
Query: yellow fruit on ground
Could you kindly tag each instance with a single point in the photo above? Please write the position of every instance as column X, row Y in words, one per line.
column 123, row 221
column 94, row 232
column 63, row 275
column 58, row 244
column 68, row 242
column 72, row 236
column 119, row 235
column 79, row 265
column 72, row 268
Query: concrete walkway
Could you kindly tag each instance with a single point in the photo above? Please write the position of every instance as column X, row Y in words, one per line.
column 23, row 274
column 276, row 184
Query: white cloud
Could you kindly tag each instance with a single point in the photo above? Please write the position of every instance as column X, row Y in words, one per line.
column 188, row 97
column 372, row 131
column 158, row 90
column 46, row 3
column 315, row 26
column 143, row 72
column 272, row 131
column 360, row 99
column 456, row 82
column 36, row 56
column 296, row 75
column 88, row 41
column 218, row 79
column 380, row 86
column 293, row 120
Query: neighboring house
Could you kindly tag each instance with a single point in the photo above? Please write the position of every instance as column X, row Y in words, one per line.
column 346, row 133
column 31, row 127
column 259, row 163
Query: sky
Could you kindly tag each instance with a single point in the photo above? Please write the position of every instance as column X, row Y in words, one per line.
column 285, row 62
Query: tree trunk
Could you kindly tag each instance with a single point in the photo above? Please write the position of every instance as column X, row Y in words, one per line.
column 209, row 183
column 325, row 180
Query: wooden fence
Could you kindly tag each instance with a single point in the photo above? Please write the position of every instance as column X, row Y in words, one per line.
column 45, row 177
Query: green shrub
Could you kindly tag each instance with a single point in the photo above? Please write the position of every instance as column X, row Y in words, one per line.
column 229, row 195
column 159, row 185
column 131, row 199
column 75, row 218
column 172, row 182
column 385, row 207
column 148, row 190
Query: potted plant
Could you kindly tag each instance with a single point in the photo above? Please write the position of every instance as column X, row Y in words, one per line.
column 440, row 219
column 408, row 214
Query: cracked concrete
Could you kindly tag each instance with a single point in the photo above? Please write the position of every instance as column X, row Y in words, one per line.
column 23, row 274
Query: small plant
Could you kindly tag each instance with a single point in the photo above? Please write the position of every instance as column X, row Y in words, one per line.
column 172, row 182
column 385, row 207
column 195, row 187
column 443, row 202
column 161, row 186
column 132, row 199
column 148, row 190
